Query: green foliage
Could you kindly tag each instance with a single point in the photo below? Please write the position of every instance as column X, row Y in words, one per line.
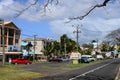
column 111, row 48
column 118, row 49
column 58, row 48
column 105, row 47
column 88, row 49
column 69, row 44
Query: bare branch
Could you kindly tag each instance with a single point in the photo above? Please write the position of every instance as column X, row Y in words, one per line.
column 49, row 2
column 35, row 3
column 98, row 5
column 114, row 36
column 23, row 10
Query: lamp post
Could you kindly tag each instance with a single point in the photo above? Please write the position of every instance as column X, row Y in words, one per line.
column 3, row 41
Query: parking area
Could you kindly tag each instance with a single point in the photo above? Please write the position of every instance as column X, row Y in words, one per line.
column 47, row 68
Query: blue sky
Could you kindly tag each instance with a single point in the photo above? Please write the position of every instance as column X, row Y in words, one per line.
column 41, row 29
column 51, row 24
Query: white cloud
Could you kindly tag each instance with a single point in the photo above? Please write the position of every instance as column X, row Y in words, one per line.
column 96, row 25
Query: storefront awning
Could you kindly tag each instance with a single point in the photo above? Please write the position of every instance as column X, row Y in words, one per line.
column 24, row 43
column 31, row 53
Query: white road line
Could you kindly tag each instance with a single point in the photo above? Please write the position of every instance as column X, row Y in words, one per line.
column 90, row 71
column 117, row 76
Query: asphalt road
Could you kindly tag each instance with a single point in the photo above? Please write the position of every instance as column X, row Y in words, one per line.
column 106, row 70
column 103, row 71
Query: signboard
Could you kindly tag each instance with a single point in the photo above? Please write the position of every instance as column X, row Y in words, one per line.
column 75, row 55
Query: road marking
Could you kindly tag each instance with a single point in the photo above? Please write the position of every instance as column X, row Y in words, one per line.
column 117, row 76
column 90, row 71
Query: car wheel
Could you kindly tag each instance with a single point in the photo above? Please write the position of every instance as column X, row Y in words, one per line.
column 16, row 63
column 28, row 63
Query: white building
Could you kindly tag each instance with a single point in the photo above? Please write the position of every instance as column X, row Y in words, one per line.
column 38, row 44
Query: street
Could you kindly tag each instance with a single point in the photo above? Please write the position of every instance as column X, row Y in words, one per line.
column 106, row 70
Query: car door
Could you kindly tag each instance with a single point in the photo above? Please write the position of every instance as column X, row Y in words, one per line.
column 21, row 61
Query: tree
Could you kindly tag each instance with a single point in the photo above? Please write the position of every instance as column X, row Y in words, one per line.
column 46, row 3
column 49, row 46
column 88, row 46
column 56, row 48
column 88, row 49
column 114, row 37
column 95, row 6
column 68, row 44
column 34, row 3
column 105, row 46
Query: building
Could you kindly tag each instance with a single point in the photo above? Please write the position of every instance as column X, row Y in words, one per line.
column 38, row 46
column 12, row 39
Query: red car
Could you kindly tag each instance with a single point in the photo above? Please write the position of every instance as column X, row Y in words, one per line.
column 55, row 59
column 21, row 61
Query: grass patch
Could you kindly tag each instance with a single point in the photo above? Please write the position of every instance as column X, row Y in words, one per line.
column 80, row 65
column 10, row 72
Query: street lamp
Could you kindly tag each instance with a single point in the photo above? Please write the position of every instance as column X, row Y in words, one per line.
column 3, row 40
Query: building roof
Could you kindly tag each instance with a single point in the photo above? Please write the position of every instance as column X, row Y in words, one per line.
column 38, row 39
column 7, row 23
column 10, row 23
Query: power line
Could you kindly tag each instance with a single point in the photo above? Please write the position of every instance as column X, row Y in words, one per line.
column 27, row 35
column 93, row 30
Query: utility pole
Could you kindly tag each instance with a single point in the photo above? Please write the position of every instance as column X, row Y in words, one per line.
column 77, row 31
column 60, row 45
column 3, row 41
column 34, row 47
column 65, row 46
column 97, row 44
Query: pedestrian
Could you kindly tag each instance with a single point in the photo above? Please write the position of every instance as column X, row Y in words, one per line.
column 10, row 60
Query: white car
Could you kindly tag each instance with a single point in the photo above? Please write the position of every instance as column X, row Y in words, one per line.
column 92, row 58
column 89, row 57
column 99, row 57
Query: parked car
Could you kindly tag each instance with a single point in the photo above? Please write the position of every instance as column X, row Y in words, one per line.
column 92, row 58
column 65, row 58
column 55, row 59
column 84, row 60
column 89, row 57
column 21, row 61
column 99, row 57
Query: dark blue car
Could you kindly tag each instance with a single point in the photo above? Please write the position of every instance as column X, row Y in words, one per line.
column 84, row 60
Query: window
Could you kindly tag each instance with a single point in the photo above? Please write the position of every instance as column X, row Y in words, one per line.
column 17, row 32
column 10, row 41
column 11, row 32
column 16, row 40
